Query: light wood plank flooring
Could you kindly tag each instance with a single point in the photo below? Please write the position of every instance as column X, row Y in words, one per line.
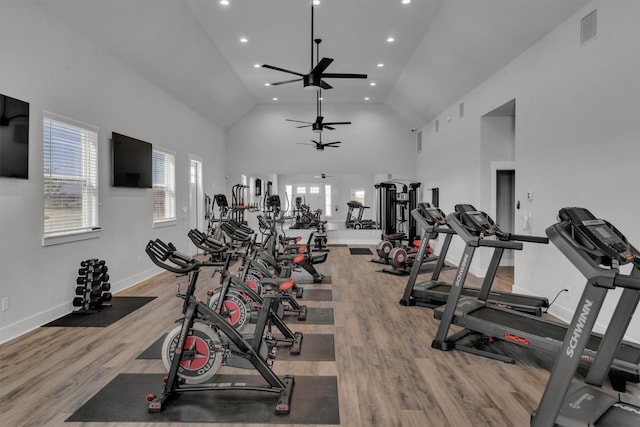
column 387, row 373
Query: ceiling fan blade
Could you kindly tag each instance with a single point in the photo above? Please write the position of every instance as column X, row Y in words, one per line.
column 321, row 66
column 328, row 127
column 271, row 67
column 325, row 85
column 303, row 143
column 343, row 76
column 332, row 144
column 298, row 121
column 337, row 123
column 303, row 126
column 284, row 82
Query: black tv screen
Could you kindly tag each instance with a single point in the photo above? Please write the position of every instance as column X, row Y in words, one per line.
column 14, row 137
column 132, row 161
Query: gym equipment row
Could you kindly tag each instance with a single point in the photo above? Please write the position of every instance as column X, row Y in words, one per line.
column 92, row 287
column 598, row 250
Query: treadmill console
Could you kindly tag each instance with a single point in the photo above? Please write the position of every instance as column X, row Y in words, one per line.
column 434, row 216
column 477, row 222
column 221, row 200
column 601, row 240
column 273, row 201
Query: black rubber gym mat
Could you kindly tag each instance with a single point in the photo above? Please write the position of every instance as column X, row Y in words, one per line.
column 315, row 295
column 120, row 307
column 337, row 245
column 315, row 316
column 314, row 401
column 315, row 347
column 360, row 251
column 308, row 280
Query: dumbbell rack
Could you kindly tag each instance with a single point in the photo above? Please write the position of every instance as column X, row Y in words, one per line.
column 92, row 287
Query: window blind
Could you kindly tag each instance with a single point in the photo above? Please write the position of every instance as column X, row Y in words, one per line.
column 70, row 153
column 164, row 193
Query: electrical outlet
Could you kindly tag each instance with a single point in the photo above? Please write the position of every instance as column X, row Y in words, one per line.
column 5, row 304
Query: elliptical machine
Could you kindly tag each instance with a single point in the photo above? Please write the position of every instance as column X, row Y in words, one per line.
column 195, row 350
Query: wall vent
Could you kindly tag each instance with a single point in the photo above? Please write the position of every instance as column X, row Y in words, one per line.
column 420, row 142
column 437, row 125
column 589, row 27
column 461, row 110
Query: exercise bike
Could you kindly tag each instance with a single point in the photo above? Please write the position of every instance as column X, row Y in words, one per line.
column 194, row 351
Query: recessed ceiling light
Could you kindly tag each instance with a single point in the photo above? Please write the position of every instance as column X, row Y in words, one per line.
column 366, row 98
column 321, row 99
column 267, row 84
column 257, row 65
column 244, row 40
column 224, row 2
column 406, row 1
column 275, row 99
column 380, row 65
column 316, row 2
column 372, row 84
column 390, row 39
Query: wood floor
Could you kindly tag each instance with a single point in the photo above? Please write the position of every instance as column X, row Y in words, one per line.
column 387, row 373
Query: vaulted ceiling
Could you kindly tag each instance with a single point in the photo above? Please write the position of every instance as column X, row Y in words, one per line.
column 192, row 48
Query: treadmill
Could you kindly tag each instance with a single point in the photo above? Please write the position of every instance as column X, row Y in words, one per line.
column 433, row 293
column 478, row 317
column 597, row 249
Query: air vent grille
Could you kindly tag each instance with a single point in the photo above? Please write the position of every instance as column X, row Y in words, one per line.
column 420, row 142
column 461, row 110
column 588, row 27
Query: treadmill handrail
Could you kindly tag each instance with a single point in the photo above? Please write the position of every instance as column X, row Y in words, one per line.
column 624, row 281
column 505, row 244
column 526, row 238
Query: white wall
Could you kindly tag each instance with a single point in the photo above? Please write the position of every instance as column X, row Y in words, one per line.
column 577, row 128
column 56, row 70
column 377, row 141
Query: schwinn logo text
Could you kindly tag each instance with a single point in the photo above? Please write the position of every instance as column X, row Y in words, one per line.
column 577, row 403
column 463, row 265
column 577, row 332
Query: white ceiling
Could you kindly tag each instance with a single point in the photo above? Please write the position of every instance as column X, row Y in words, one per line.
column 191, row 48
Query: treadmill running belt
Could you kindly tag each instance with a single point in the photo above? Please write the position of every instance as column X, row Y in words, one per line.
column 557, row 332
column 505, row 298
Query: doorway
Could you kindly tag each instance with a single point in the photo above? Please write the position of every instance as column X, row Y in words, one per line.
column 505, row 206
column 196, row 198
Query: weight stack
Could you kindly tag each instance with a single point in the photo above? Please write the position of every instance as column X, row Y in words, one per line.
column 92, row 287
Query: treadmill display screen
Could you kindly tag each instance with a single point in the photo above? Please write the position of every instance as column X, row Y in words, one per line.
column 603, row 232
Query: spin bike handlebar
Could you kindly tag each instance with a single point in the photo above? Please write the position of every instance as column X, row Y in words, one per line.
column 160, row 252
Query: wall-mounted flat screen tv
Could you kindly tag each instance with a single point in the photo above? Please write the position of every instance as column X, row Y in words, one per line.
column 132, row 159
column 14, row 137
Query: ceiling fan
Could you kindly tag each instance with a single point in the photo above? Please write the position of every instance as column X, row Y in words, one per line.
column 321, row 145
column 323, row 176
column 319, row 125
column 314, row 79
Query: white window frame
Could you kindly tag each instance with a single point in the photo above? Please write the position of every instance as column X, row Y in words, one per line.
column 314, row 190
column 328, row 208
column 301, row 189
column 55, row 140
column 164, row 186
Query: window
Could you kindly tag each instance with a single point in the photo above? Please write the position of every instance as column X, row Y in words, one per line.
column 314, row 190
column 164, row 186
column 327, row 200
column 301, row 190
column 70, row 165
column 358, row 195
column 288, row 192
